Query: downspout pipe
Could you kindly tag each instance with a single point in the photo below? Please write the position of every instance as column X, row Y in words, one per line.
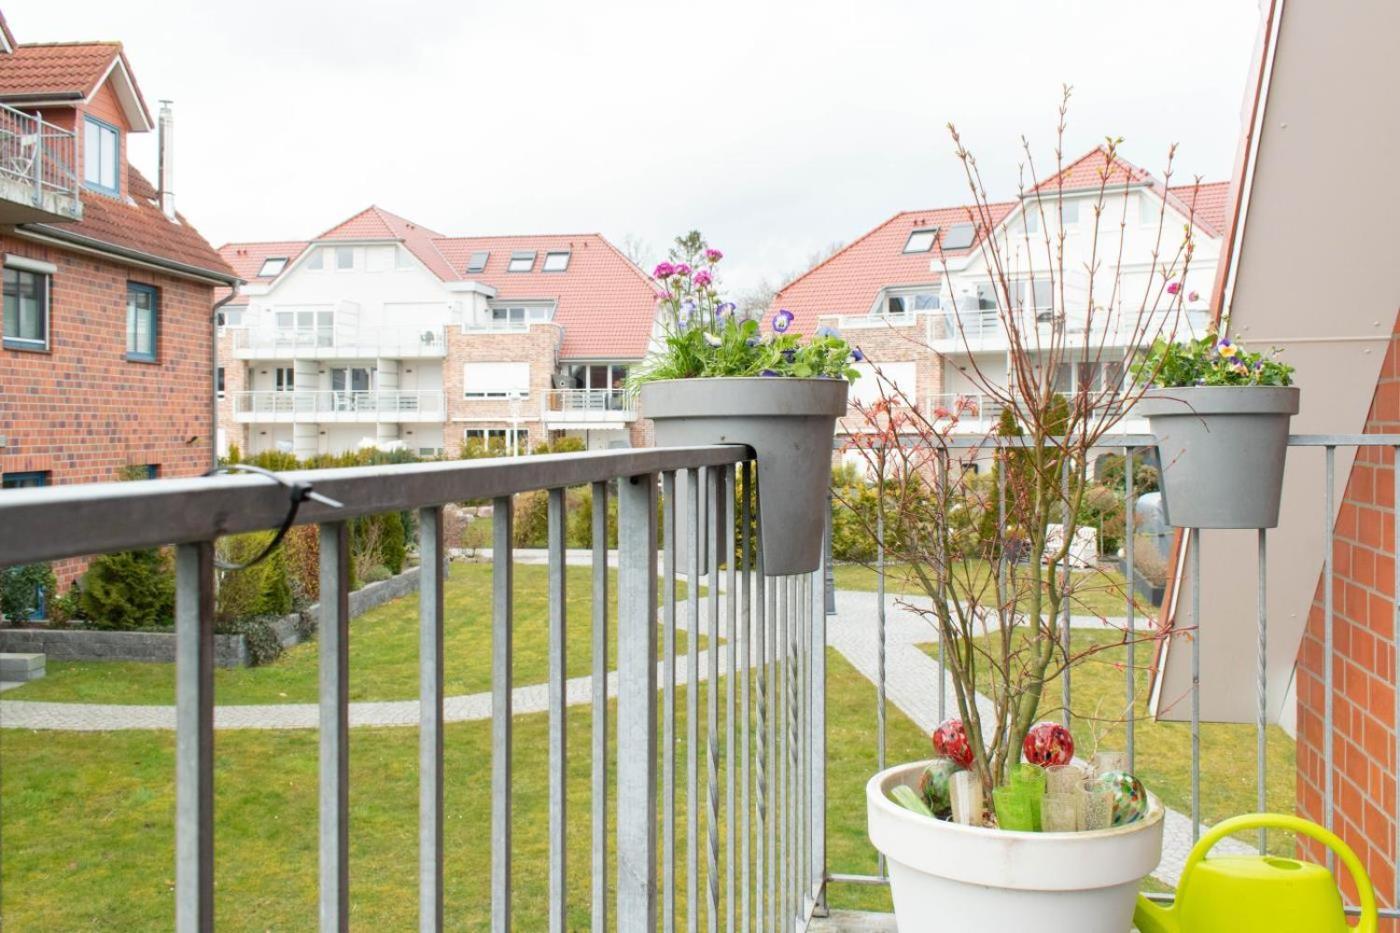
column 214, row 375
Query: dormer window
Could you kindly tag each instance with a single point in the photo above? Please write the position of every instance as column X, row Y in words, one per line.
column 272, row 266
column 556, row 261
column 477, row 262
column 921, row 241
column 522, row 261
column 101, row 156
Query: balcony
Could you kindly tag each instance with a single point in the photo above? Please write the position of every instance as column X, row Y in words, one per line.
column 743, row 772
column 588, row 409
column 398, row 405
column 38, row 177
column 981, row 330
column 979, row 413
column 337, row 343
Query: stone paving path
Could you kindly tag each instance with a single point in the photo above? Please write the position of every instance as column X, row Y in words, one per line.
column 911, row 685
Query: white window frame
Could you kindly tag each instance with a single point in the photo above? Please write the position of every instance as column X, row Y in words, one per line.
column 262, row 270
column 95, row 134
column 341, row 251
column 500, row 387
column 931, row 233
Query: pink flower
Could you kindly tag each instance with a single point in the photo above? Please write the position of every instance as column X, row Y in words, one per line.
column 703, row 278
column 664, row 271
column 681, row 269
column 1194, row 296
column 1173, row 288
column 713, row 255
column 941, row 412
column 662, row 296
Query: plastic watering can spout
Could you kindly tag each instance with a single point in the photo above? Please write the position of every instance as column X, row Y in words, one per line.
column 1258, row 893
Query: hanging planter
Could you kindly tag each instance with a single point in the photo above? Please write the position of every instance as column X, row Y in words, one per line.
column 789, row 423
column 1222, row 451
column 959, row 877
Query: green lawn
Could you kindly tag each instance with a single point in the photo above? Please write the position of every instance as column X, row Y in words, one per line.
column 88, row 839
column 1163, row 749
column 383, row 650
column 1094, row 592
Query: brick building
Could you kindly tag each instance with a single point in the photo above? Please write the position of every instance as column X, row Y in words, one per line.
column 382, row 332
column 106, row 356
column 917, row 293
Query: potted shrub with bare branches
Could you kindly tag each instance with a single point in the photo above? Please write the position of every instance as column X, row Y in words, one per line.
column 996, row 560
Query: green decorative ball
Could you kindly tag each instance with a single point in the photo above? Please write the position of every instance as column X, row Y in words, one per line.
column 933, row 785
column 1129, row 796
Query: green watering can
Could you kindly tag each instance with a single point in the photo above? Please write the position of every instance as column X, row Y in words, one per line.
column 1260, row 893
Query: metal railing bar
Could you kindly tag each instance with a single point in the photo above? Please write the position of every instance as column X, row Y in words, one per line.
column 433, row 562
column 194, row 738
column 636, row 705
column 1261, row 738
column 714, row 517
column 333, row 634
column 668, row 701
column 558, row 734
column 694, row 484
column 1195, row 546
column 1129, row 533
column 775, row 774
column 600, row 706
column 746, row 665
column 53, row 522
column 763, row 848
column 1329, row 728
column 881, row 703
column 817, row 758
column 502, row 629
column 732, row 642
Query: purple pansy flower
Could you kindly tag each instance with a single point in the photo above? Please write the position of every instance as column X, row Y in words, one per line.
column 789, row 354
column 782, row 321
column 752, row 342
column 769, row 372
column 713, row 255
column 703, row 278
column 857, row 356
column 725, row 309
column 825, row 331
column 663, row 271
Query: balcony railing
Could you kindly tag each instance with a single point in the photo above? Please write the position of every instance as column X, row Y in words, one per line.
column 589, row 406
column 983, row 328
column 314, row 405
column 38, row 176
column 339, row 343
column 979, row 413
column 763, row 839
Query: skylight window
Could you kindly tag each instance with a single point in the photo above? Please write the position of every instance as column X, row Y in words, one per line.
column 556, row 261
column 522, row 261
column 272, row 266
column 921, row 241
column 959, row 236
column 477, row 262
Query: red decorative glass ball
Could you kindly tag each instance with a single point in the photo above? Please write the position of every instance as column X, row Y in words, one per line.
column 950, row 740
column 1048, row 743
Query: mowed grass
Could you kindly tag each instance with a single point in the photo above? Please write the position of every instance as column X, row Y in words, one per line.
column 1092, row 592
column 383, row 650
column 88, row 821
column 1163, row 749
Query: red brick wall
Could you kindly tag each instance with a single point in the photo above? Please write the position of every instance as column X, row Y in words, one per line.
column 1363, row 668
column 81, row 411
column 538, row 346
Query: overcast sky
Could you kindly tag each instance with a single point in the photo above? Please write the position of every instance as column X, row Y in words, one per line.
column 775, row 128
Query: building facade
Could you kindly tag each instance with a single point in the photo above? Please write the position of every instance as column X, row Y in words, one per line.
column 919, row 293
column 380, row 332
column 108, row 327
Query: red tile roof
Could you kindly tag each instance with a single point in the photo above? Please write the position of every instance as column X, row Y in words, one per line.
column 605, row 304
column 1207, row 204
column 375, row 223
column 1093, row 169
column 849, row 281
column 246, row 259
column 137, row 223
column 36, row 70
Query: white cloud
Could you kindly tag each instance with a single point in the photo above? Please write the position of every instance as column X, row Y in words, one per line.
column 775, row 128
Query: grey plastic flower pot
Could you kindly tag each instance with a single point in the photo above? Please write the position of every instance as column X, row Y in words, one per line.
column 1222, row 450
column 789, row 423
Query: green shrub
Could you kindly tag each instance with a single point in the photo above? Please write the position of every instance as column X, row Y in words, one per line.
column 63, row 610
column 377, row 574
column 23, row 589
column 264, row 646
column 531, row 528
column 392, row 541
column 579, row 531
column 259, row 590
column 301, row 551
column 129, row 590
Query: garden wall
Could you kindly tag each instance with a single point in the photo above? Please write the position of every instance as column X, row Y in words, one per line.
column 229, row 650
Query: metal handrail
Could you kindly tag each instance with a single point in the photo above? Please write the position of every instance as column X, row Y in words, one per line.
column 590, row 400
column 37, row 152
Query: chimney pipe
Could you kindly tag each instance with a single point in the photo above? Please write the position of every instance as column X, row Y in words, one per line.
column 166, row 143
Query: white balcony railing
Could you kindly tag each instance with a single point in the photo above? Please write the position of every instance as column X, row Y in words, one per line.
column 339, row 342
column 570, row 406
column 983, row 328
column 979, row 413
column 38, row 175
column 313, row 405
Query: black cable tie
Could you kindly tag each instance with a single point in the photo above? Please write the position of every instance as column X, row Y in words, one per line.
column 297, row 493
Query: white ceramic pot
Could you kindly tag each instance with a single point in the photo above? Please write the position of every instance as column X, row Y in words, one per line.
column 946, row 876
